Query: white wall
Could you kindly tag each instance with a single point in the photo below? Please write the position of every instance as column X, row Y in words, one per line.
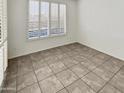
column 17, row 16
column 101, row 25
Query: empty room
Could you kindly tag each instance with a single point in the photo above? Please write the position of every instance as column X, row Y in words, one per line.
column 61, row 46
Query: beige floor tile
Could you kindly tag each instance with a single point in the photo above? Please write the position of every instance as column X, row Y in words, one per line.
column 109, row 89
column 65, row 49
column 118, row 80
column 79, row 70
column 31, row 89
column 3, row 87
column 89, row 64
column 85, row 48
column 56, row 51
column 46, row 53
column 72, row 46
column 24, row 67
column 102, row 56
column 36, row 57
column 57, row 66
column 67, row 77
column 5, row 91
column 79, row 58
column 120, row 62
column 50, row 59
column 113, row 65
column 88, row 52
column 38, row 64
column 103, row 73
column 12, row 67
column 11, row 71
column 25, row 80
column 79, row 49
column 97, row 60
column 51, row 85
column 62, row 56
column 11, row 85
column 72, row 53
column 24, row 59
column 43, row 72
column 63, row 91
column 69, row 62
column 94, row 81
column 79, row 87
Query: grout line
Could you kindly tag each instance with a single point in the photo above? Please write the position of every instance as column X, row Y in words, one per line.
column 80, row 78
column 27, row 87
column 17, row 77
column 62, row 89
column 69, row 68
column 36, row 77
column 33, row 82
column 92, row 72
column 56, row 77
column 110, row 80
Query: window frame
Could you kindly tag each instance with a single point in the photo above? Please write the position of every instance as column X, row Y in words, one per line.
column 48, row 36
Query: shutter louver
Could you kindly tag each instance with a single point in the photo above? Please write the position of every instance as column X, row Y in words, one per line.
column 3, row 38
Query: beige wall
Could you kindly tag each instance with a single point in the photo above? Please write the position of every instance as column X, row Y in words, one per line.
column 17, row 16
column 101, row 25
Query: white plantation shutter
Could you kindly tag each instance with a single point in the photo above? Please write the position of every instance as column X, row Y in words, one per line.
column 46, row 19
column 4, row 19
column 4, row 32
column 3, row 38
column 1, row 21
column 1, row 48
column 1, row 65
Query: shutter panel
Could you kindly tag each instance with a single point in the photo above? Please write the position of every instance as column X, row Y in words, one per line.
column 3, row 38
column 1, row 65
column 0, row 21
column 4, row 19
column 4, row 33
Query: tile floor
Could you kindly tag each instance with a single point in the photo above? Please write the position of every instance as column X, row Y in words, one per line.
column 72, row 68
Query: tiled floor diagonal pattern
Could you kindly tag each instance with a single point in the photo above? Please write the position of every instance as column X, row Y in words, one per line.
column 72, row 68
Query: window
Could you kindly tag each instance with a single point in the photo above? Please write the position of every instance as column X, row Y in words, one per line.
column 33, row 19
column 46, row 19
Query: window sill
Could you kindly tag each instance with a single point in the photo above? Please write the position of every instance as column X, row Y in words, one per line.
column 44, row 37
